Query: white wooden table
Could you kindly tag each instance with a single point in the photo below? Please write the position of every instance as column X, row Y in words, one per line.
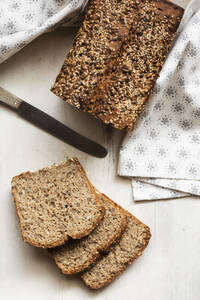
column 169, row 268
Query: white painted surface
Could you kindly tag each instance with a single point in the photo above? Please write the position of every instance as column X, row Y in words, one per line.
column 169, row 268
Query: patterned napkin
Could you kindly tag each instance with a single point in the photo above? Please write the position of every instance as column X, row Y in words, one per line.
column 162, row 154
column 21, row 21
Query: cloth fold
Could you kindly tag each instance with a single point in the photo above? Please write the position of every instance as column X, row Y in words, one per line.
column 21, row 21
column 162, row 154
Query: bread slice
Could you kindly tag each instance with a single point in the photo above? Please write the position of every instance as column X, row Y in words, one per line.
column 116, row 58
column 77, row 255
column 131, row 244
column 56, row 203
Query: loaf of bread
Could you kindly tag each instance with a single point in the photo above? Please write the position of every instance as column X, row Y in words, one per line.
column 116, row 58
column 56, row 203
column 76, row 255
column 129, row 247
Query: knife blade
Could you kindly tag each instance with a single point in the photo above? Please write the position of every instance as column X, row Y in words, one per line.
column 51, row 125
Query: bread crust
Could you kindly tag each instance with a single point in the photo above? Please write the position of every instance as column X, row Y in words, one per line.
column 96, row 254
column 63, row 240
column 105, row 27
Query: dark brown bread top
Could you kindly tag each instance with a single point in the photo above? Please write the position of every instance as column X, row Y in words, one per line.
column 130, row 246
column 55, row 203
column 106, row 25
column 124, row 90
column 76, row 255
column 116, row 58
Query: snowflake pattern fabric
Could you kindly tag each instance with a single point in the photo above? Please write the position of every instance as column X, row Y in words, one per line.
column 163, row 151
column 149, row 191
column 21, row 21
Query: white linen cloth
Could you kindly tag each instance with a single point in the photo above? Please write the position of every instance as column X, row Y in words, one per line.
column 21, row 21
column 162, row 154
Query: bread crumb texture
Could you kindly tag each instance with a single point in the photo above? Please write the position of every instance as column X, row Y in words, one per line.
column 55, row 203
column 116, row 58
column 77, row 255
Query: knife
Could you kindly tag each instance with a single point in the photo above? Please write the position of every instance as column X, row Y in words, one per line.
column 51, row 125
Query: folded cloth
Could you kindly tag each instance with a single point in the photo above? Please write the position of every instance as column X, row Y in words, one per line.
column 21, row 21
column 162, row 154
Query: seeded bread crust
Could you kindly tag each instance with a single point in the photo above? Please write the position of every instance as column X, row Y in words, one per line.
column 110, row 72
column 93, row 280
column 123, row 91
column 63, row 254
column 98, row 41
column 62, row 240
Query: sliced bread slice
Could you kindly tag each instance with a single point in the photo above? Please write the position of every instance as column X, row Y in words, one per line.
column 131, row 244
column 77, row 255
column 56, row 203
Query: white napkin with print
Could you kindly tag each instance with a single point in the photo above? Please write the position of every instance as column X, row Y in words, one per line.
column 21, row 21
column 162, row 154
